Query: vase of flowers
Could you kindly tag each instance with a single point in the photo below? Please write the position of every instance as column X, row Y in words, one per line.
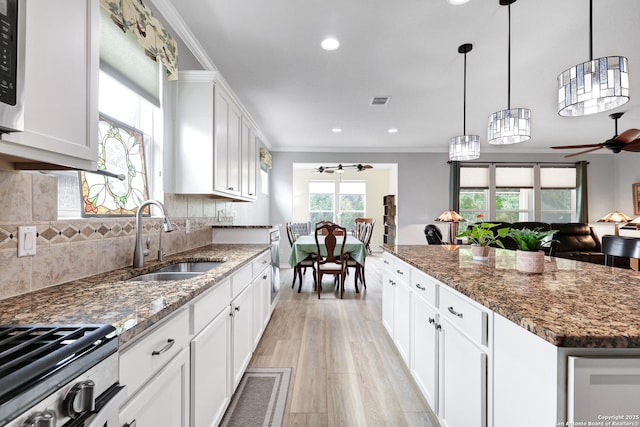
column 483, row 234
column 529, row 255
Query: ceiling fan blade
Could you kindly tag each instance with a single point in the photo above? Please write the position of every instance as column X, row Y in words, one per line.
column 632, row 146
column 578, row 146
column 584, row 152
column 628, row 136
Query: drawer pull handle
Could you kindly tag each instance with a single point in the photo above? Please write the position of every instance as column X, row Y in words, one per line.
column 399, row 272
column 237, row 308
column 455, row 313
column 432, row 320
column 170, row 343
column 264, row 277
column 386, row 262
column 438, row 326
column 264, row 261
column 419, row 286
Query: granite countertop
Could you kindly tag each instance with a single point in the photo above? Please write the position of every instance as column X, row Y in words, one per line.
column 133, row 306
column 572, row 304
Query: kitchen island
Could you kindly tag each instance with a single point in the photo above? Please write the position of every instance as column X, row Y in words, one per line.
column 538, row 350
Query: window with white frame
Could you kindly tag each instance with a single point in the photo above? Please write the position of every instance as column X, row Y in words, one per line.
column 340, row 202
column 516, row 193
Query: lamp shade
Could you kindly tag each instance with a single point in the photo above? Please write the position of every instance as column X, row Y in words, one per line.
column 615, row 216
column 450, row 216
column 464, row 147
column 593, row 86
column 509, row 126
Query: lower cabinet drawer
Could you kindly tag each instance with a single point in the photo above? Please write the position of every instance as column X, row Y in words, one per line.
column 469, row 318
column 210, row 304
column 146, row 356
column 425, row 286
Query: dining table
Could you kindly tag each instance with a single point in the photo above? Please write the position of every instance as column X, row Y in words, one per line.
column 303, row 246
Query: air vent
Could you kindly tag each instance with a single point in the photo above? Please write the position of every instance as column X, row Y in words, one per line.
column 380, row 100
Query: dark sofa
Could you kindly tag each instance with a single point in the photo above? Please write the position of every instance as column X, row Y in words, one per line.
column 577, row 241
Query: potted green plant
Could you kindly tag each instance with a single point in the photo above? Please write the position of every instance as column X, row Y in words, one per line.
column 483, row 234
column 529, row 255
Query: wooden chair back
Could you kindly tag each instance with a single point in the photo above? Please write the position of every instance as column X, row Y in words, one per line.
column 331, row 263
column 291, row 235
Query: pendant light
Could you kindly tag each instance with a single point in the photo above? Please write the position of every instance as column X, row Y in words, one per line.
column 464, row 147
column 594, row 86
column 509, row 126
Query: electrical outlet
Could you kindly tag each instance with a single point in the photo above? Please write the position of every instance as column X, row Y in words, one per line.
column 27, row 241
column 187, row 226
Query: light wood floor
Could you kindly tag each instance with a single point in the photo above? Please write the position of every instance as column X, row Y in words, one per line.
column 346, row 370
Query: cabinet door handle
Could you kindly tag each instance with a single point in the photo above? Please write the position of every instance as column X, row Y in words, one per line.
column 170, row 343
column 230, row 188
column 455, row 313
column 131, row 424
column 237, row 308
column 432, row 320
column 438, row 326
column 264, row 277
column 419, row 286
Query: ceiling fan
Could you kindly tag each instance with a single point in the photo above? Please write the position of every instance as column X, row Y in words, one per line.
column 341, row 168
column 629, row 140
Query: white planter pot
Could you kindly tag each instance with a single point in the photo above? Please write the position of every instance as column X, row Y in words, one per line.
column 530, row 261
column 480, row 253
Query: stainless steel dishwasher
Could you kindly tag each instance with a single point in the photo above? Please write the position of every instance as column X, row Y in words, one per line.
column 274, row 242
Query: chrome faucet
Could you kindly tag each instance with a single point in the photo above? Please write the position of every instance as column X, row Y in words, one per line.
column 139, row 253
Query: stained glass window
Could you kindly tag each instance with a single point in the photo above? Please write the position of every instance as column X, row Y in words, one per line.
column 121, row 151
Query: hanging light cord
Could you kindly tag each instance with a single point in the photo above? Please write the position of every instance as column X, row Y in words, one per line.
column 509, row 58
column 590, row 30
column 464, row 98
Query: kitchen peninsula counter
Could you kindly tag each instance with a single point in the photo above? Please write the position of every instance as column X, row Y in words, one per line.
column 572, row 304
column 131, row 307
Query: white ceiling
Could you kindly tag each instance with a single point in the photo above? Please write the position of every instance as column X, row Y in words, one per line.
column 269, row 53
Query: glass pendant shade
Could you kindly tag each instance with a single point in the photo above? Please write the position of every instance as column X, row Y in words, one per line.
column 509, row 126
column 464, row 147
column 593, row 86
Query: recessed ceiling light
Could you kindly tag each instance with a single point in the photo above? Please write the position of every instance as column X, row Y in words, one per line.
column 330, row 44
column 457, row 2
column 393, row 130
column 336, row 130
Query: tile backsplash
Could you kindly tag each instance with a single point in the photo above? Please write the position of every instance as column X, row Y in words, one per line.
column 70, row 249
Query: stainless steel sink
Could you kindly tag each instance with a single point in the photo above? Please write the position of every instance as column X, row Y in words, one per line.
column 160, row 276
column 200, row 267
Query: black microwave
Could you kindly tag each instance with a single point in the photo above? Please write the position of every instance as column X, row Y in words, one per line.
column 12, row 22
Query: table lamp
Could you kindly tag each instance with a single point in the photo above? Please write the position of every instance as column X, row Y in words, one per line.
column 615, row 217
column 454, row 218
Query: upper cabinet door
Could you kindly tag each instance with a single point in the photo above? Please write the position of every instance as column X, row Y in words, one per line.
column 61, row 85
column 248, row 161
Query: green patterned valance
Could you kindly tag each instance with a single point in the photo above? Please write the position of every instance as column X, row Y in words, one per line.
column 156, row 40
column 265, row 159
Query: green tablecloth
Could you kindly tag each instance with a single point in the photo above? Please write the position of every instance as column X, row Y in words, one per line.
column 305, row 245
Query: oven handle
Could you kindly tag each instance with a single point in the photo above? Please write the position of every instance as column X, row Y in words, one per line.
column 108, row 408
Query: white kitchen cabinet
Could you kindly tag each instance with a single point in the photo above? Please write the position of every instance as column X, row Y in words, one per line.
column 248, row 162
column 463, row 380
column 241, row 334
column 402, row 319
column 228, row 120
column 388, row 298
column 424, row 347
column 209, row 132
column 210, row 383
column 164, row 401
column 61, row 87
column 261, row 301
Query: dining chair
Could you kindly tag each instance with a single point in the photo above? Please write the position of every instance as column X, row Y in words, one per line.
column 333, row 264
column 365, row 231
column 364, row 235
column 620, row 247
column 433, row 234
column 301, row 268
